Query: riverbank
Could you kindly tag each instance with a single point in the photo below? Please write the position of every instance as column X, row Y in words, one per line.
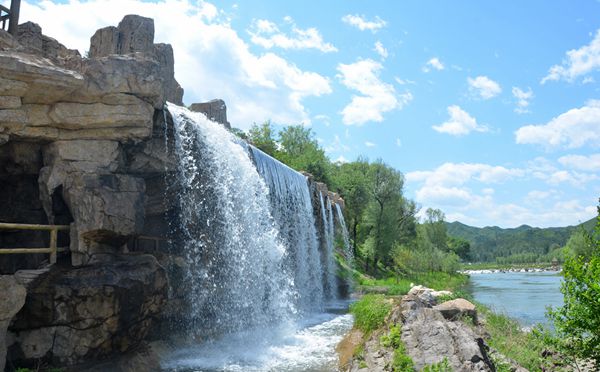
column 508, row 346
column 495, row 267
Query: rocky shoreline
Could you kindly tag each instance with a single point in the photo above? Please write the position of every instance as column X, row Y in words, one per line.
column 511, row 270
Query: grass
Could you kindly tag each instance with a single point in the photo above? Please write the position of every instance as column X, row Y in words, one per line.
column 509, row 339
column 401, row 362
column 370, row 312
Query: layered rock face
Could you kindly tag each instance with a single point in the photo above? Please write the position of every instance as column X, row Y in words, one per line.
column 79, row 115
column 82, row 143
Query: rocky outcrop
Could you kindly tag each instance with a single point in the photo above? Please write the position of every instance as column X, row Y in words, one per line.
column 13, row 298
column 80, row 140
column 215, row 110
column 430, row 333
column 73, row 315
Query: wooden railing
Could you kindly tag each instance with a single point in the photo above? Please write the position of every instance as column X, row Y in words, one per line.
column 12, row 16
column 52, row 250
column 4, row 16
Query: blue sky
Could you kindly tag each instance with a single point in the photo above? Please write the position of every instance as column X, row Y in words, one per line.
column 491, row 110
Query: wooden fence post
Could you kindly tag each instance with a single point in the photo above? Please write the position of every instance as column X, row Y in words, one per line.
column 13, row 21
column 53, row 243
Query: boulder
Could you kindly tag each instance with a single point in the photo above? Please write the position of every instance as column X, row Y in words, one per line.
column 80, row 314
column 215, row 110
column 31, row 40
column 457, row 309
column 13, row 298
column 429, row 338
column 427, row 295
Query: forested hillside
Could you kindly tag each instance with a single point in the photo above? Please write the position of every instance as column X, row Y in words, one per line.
column 523, row 243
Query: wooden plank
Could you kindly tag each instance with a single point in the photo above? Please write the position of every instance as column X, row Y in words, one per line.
column 24, row 250
column 26, row 226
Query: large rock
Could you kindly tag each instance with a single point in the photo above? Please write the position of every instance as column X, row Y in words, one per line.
column 457, row 309
column 429, row 338
column 13, row 298
column 31, row 40
column 35, row 79
column 215, row 110
column 79, row 314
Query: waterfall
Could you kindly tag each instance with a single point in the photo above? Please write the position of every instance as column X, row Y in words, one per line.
column 247, row 231
column 348, row 254
column 328, row 255
column 237, row 277
column 293, row 212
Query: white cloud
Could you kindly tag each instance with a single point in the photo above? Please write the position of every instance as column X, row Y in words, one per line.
column 377, row 97
column 360, row 22
column 460, row 123
column 589, row 163
column 211, row 60
column 457, row 174
column 403, row 81
column 456, row 188
column 380, row 49
column 266, row 34
column 577, row 62
column 575, row 179
column 370, row 144
column 341, row 159
column 398, row 142
column 484, row 87
column 523, row 98
column 575, row 128
column 433, row 63
column 336, row 145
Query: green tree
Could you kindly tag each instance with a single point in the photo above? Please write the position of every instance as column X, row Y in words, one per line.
column 384, row 211
column 579, row 244
column 301, row 151
column 577, row 322
column 460, row 247
column 352, row 183
column 262, row 137
column 435, row 228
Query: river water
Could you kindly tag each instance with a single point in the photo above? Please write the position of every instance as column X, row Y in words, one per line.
column 308, row 345
column 523, row 296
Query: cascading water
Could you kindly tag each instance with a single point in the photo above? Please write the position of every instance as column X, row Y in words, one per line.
column 293, row 212
column 328, row 254
column 255, row 275
column 237, row 276
column 348, row 254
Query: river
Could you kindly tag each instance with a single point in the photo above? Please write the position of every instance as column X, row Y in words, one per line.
column 523, row 296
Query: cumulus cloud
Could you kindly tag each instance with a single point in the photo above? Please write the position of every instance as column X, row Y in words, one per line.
column 460, row 123
column 433, row 63
column 589, row 163
column 523, row 98
column 380, row 49
column 211, row 59
column 463, row 191
column 377, row 97
column 577, row 62
column 484, row 87
column 370, row 144
column 267, row 34
column 361, row 22
column 575, row 128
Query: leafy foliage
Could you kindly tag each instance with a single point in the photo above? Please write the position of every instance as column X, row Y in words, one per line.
column 370, row 312
column 577, row 322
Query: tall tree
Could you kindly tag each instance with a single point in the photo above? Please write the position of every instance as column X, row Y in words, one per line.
column 301, row 151
column 262, row 136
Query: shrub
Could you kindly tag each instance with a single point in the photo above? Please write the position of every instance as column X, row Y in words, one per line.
column 370, row 312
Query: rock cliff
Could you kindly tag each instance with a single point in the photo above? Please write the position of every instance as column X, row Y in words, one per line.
column 82, row 144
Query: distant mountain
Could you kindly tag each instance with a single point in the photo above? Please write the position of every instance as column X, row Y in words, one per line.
column 487, row 243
